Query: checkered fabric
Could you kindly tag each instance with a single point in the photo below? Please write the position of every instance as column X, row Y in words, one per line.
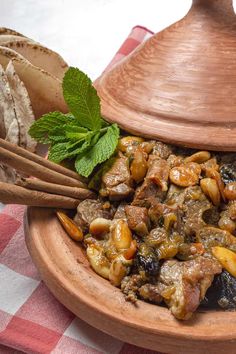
column 31, row 319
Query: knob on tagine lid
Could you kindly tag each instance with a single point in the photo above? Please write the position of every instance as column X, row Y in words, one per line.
column 180, row 85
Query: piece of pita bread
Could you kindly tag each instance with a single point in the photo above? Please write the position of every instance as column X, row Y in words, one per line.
column 4, row 30
column 39, row 56
column 45, row 90
column 7, row 109
column 9, row 38
column 23, row 108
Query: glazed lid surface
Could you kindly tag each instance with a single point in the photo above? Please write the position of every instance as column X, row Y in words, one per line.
column 180, row 85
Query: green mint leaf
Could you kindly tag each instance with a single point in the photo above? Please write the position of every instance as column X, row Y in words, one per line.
column 99, row 153
column 40, row 130
column 75, row 133
column 64, row 150
column 82, row 99
column 67, row 132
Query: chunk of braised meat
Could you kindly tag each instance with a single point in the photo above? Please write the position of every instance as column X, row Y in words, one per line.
column 212, row 236
column 91, row 209
column 226, row 221
column 175, row 195
column 194, row 206
column 147, row 194
column 154, row 186
column 120, row 211
column 138, row 219
column 191, row 206
column 147, row 146
column 120, row 192
column 174, row 161
column 162, row 150
column 117, row 182
column 222, row 292
column 210, row 164
column 150, row 292
column 188, row 251
column 211, row 216
column 130, row 286
column 232, row 210
column 118, row 173
column 158, row 172
column 158, row 211
column 184, row 284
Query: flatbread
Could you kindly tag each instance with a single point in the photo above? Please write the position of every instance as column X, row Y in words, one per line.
column 45, row 90
column 38, row 55
column 4, row 30
column 7, row 110
column 11, row 38
column 23, row 108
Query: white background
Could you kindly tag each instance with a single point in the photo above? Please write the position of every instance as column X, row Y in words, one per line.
column 87, row 32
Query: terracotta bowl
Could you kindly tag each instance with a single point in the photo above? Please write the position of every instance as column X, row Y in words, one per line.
column 65, row 270
column 180, row 85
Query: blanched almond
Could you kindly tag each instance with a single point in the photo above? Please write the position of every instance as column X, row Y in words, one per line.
column 98, row 261
column 119, row 269
column 70, row 227
column 227, row 259
column 130, row 252
column 99, row 226
column 139, row 165
column 199, row 157
column 121, row 235
column 185, row 175
column 127, row 141
column 210, row 188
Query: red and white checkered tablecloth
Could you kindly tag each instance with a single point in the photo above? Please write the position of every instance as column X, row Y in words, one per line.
column 31, row 319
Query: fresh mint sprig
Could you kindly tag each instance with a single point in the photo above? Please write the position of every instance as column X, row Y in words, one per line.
column 81, row 134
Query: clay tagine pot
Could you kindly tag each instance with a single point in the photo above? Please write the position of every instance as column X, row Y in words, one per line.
column 180, row 85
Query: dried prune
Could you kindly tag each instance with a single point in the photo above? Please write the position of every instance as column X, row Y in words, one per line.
column 149, row 264
column 222, row 293
column 147, row 259
column 228, row 173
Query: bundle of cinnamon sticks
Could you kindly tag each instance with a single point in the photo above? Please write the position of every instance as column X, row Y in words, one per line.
column 54, row 186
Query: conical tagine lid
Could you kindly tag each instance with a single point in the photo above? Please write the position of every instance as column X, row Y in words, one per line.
column 180, row 85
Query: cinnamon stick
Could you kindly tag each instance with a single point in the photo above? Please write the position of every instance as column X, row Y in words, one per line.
column 40, row 160
column 12, row 194
column 31, row 168
column 36, row 184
